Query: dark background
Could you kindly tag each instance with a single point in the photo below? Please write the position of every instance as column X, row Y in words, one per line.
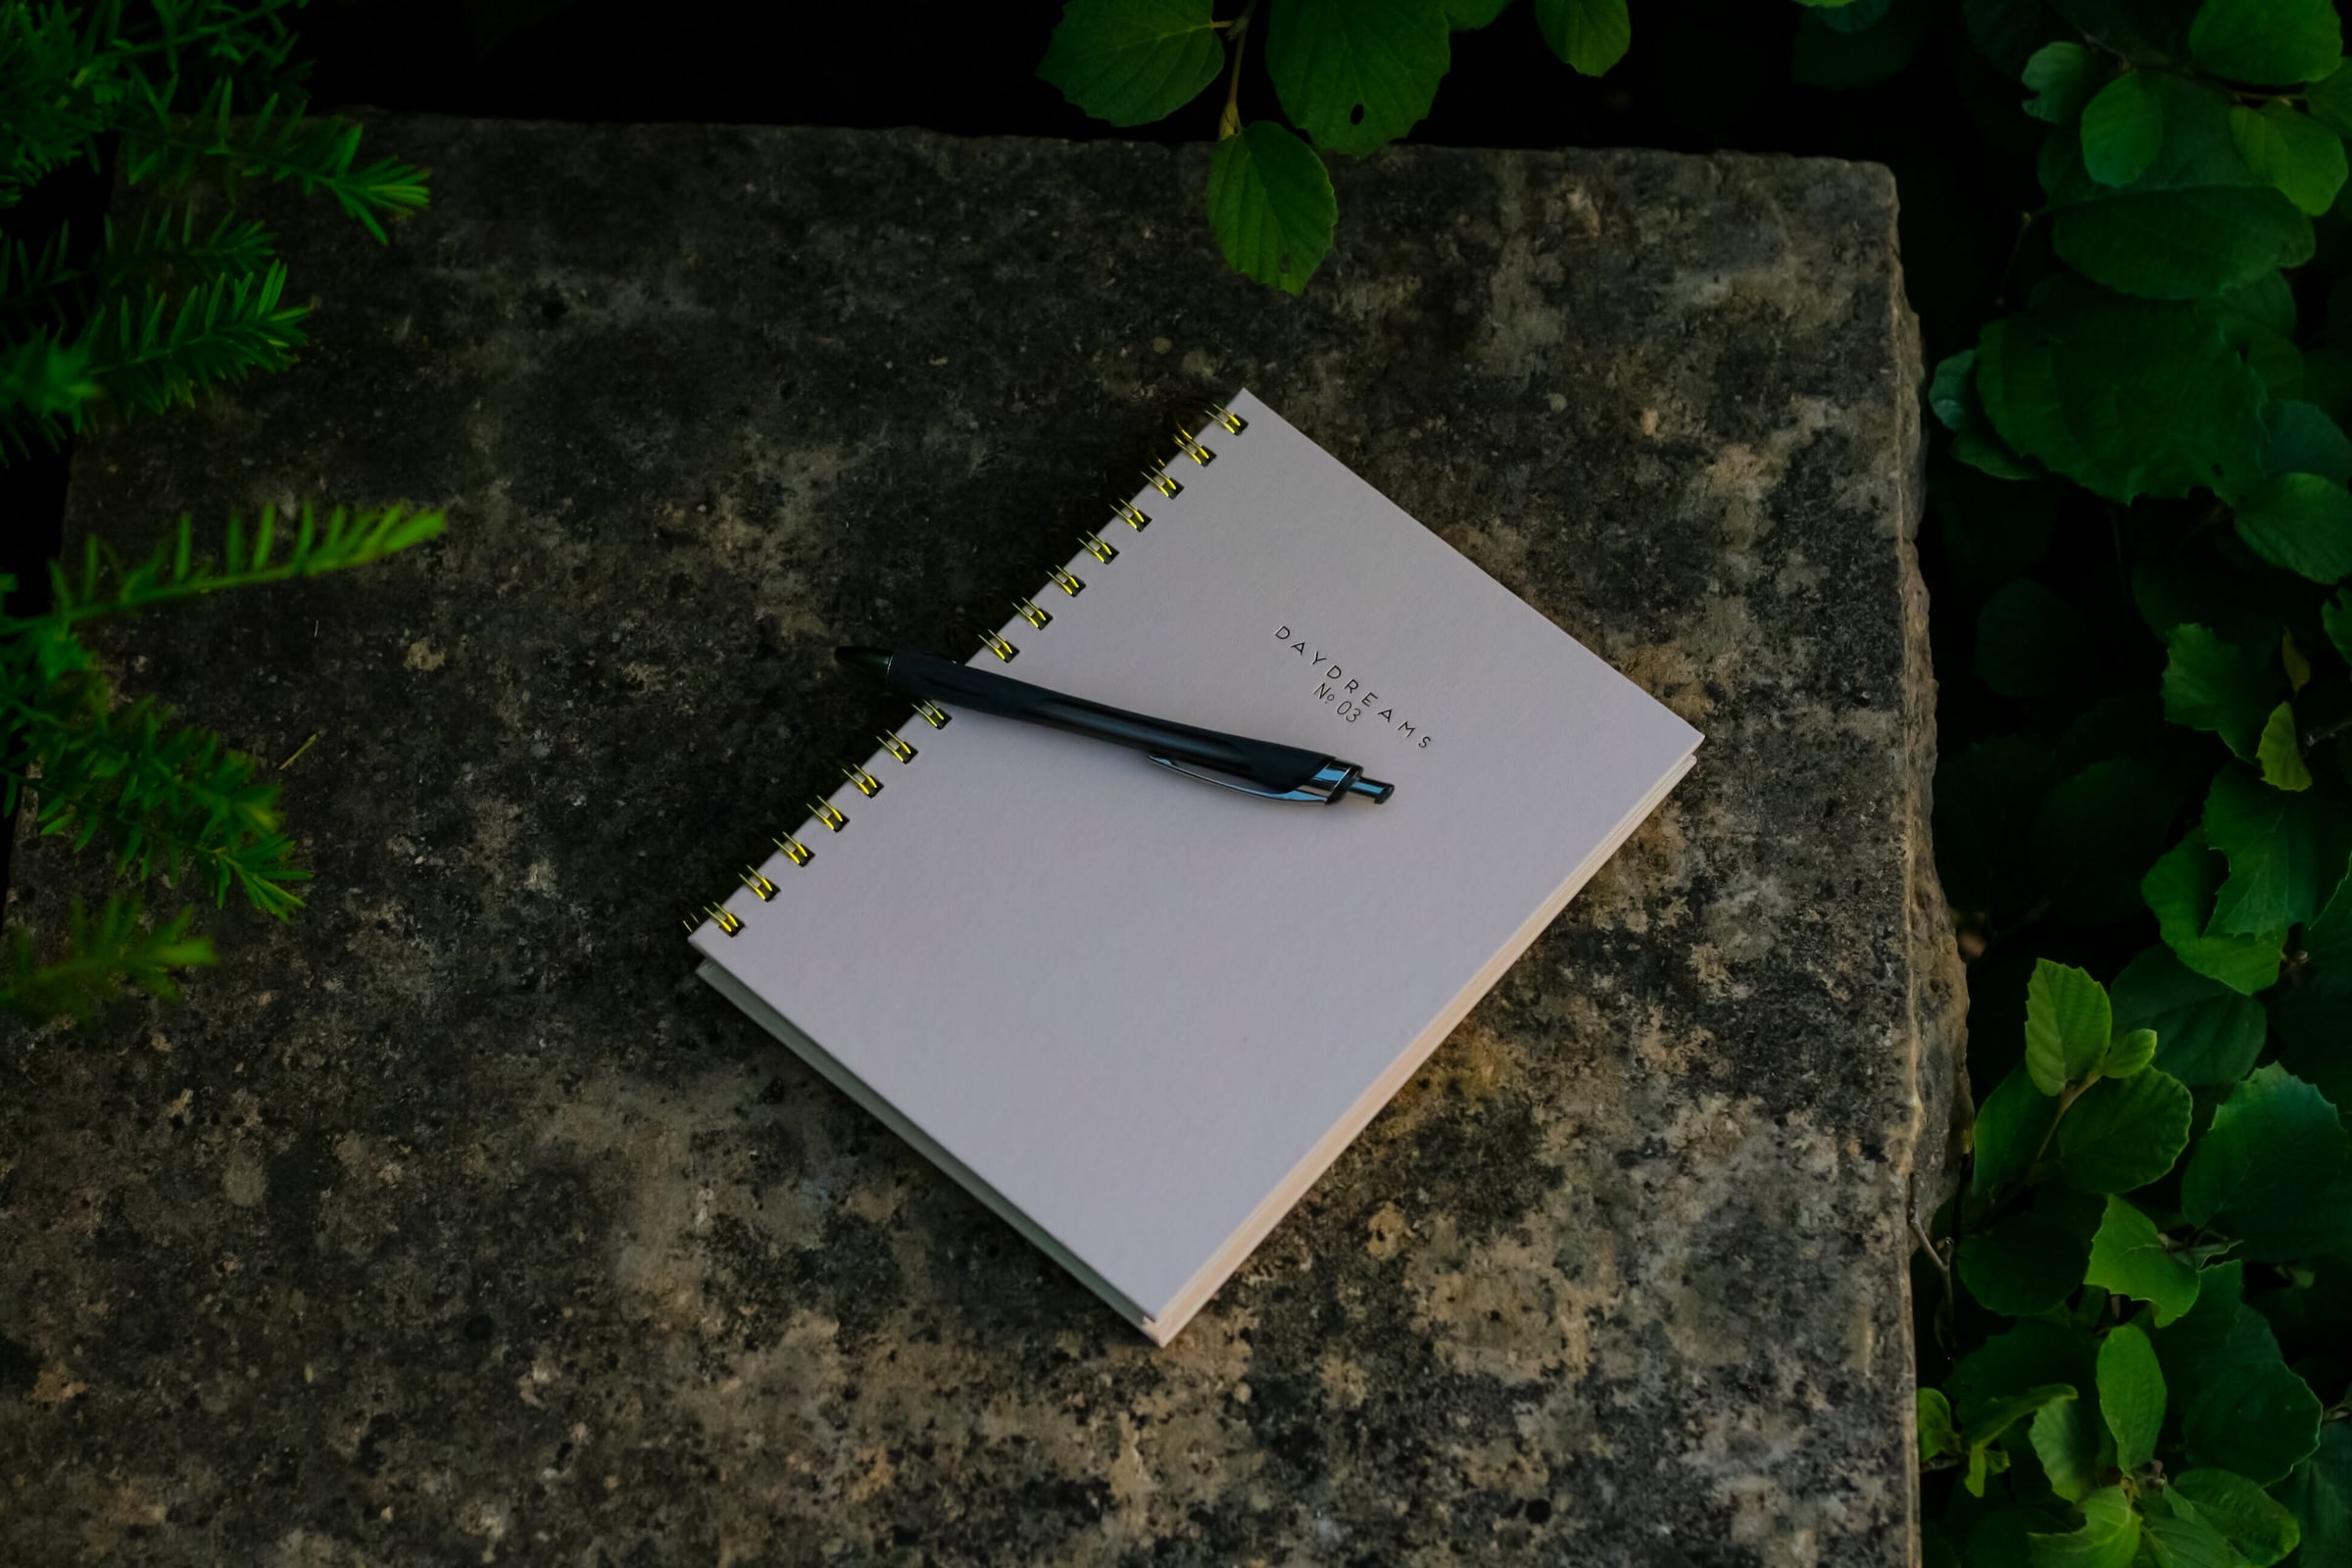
column 1702, row 76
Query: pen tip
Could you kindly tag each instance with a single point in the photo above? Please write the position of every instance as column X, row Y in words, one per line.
column 873, row 661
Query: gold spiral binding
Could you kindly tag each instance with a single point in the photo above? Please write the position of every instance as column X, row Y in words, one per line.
column 931, row 715
column 867, row 785
column 1067, row 582
column 1166, row 483
column 795, row 850
column 1028, row 611
column 896, row 747
column 1190, row 445
column 758, row 883
column 1233, row 422
column 726, row 919
column 1099, row 548
column 829, row 814
column 1129, row 515
column 1004, row 651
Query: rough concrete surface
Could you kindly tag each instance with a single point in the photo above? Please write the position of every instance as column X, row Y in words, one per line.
column 454, row 1221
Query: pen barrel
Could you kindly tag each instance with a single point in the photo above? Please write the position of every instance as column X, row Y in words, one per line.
column 1281, row 767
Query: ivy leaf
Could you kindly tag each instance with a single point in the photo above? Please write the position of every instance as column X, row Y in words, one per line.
column 2330, row 100
column 2257, row 1528
column 1591, row 35
column 1271, row 203
column 2304, row 440
column 2108, row 1538
column 2123, row 128
column 2129, row 1257
column 2131, row 1395
column 2061, row 77
column 2215, row 685
column 1357, row 74
column 2282, row 757
column 2275, row 1170
column 2124, row 397
column 1985, row 800
column 2067, row 1440
column 2011, row 1126
column 2096, row 834
column 1132, row 61
column 2320, row 1494
column 2197, row 222
column 2298, row 156
column 2302, row 523
column 2180, row 889
column 2129, row 1053
column 2030, row 642
column 2068, row 1020
column 2286, row 851
column 2027, row 1263
column 2123, row 1133
column 2206, row 1033
column 1938, row 1436
column 1464, row 15
column 2266, row 41
column 2242, row 1408
column 1952, row 395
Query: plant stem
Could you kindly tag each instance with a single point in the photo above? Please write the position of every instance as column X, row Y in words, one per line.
column 1229, row 124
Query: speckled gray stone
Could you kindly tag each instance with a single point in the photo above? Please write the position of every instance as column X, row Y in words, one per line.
column 454, row 1221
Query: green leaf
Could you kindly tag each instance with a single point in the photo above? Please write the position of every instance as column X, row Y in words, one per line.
column 1133, row 61
column 1271, row 203
column 1831, row 55
column 2286, row 852
column 2280, row 755
column 2129, row 1257
column 2066, row 1438
column 2027, row 1263
column 1356, row 74
column 2126, row 397
column 2011, row 1125
column 2257, row 1528
column 2298, row 156
column 1996, row 1416
column 2206, row 1033
column 2061, row 77
column 2097, row 833
column 2068, row 1020
column 1938, row 1436
column 2109, row 1536
column 2177, row 1535
column 1463, row 16
column 2123, row 128
column 1985, row 800
column 2030, row 642
column 1847, row 16
column 1952, row 395
column 2275, row 1170
column 2131, row 1395
column 2129, row 1053
column 101, row 954
column 1591, row 35
column 2329, row 101
column 2181, row 888
column 2304, row 440
column 2123, row 1133
column 2328, row 941
column 2302, row 523
column 2319, row 1491
column 2242, row 1408
column 2217, row 686
column 2268, row 41
column 2026, row 1355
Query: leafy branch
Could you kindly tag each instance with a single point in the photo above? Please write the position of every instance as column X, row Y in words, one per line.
column 100, row 955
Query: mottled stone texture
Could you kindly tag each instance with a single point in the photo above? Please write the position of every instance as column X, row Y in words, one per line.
column 456, row 1221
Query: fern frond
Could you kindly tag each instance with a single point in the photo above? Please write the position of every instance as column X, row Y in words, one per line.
column 164, row 247
column 59, row 85
column 147, row 357
column 172, row 800
column 345, row 538
column 224, row 33
column 38, row 281
column 101, row 955
column 44, row 385
column 275, row 140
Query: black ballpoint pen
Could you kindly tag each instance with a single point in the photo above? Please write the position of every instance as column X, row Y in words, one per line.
column 1255, row 767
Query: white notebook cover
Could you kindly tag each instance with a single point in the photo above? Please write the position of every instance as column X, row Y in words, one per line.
column 1136, row 1015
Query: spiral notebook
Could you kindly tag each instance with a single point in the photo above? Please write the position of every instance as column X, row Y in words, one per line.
column 1136, row 1015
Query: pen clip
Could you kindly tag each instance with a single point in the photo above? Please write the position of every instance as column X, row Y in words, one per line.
column 1331, row 781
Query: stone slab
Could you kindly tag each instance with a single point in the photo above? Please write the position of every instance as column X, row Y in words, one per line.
column 454, row 1221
